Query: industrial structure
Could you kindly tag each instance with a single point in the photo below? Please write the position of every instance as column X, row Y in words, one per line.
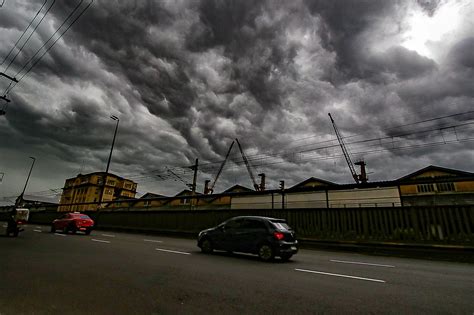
column 432, row 185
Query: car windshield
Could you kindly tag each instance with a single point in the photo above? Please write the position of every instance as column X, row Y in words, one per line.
column 83, row 216
column 281, row 225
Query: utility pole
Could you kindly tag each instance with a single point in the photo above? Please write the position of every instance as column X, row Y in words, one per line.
column 193, row 189
column 195, row 168
column 20, row 198
column 104, row 180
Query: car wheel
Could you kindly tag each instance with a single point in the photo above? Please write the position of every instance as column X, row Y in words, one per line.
column 72, row 228
column 265, row 252
column 65, row 229
column 53, row 229
column 206, row 246
column 88, row 231
column 286, row 257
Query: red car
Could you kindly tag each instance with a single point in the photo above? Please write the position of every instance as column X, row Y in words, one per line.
column 73, row 222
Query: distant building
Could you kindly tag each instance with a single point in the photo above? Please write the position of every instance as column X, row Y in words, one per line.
column 434, row 185
column 83, row 192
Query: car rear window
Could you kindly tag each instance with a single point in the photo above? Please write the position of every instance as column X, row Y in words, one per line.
column 281, row 225
column 83, row 216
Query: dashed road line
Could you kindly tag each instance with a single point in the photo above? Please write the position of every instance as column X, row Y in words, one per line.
column 339, row 275
column 360, row 263
column 172, row 251
column 38, row 227
column 59, row 234
column 101, row 241
column 108, row 235
column 153, row 241
column 39, row 231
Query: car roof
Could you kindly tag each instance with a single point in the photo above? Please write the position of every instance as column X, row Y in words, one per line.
column 258, row 218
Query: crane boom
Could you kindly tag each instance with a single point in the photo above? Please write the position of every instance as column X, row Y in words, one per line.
column 247, row 164
column 344, row 151
column 211, row 189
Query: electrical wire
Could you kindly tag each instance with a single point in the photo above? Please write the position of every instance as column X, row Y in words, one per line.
column 31, row 34
column 49, row 48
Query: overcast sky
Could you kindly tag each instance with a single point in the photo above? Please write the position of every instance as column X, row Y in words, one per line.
column 187, row 77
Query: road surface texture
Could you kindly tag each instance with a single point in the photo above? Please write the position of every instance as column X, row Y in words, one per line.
column 125, row 273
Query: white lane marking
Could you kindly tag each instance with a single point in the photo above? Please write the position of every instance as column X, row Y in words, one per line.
column 360, row 263
column 38, row 227
column 339, row 275
column 172, row 251
column 59, row 234
column 154, row 241
column 108, row 235
column 38, row 231
column 5, row 225
column 101, row 241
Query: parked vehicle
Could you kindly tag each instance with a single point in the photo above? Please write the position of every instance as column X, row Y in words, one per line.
column 19, row 217
column 266, row 237
column 73, row 222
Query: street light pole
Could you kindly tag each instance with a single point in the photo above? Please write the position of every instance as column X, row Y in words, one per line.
column 20, row 198
column 113, row 142
column 113, row 117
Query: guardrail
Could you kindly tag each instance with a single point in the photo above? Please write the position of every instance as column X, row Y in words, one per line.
column 436, row 225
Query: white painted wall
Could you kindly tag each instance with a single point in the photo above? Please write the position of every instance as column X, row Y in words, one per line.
column 368, row 197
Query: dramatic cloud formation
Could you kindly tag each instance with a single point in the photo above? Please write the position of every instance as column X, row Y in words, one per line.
column 187, row 77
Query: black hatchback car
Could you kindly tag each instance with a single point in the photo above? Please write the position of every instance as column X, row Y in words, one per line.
column 266, row 237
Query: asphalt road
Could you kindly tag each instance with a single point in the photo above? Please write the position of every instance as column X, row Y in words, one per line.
column 124, row 273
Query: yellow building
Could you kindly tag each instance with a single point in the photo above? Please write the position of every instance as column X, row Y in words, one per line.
column 83, row 192
column 434, row 185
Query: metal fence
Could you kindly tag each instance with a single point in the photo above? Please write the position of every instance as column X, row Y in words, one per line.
column 436, row 225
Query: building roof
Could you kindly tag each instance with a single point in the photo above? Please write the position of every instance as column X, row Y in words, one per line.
column 312, row 182
column 237, row 188
column 446, row 172
column 99, row 173
column 186, row 192
column 150, row 195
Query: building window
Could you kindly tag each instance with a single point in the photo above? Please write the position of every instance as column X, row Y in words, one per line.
column 111, row 182
column 442, row 187
column 425, row 188
column 184, row 201
column 147, row 202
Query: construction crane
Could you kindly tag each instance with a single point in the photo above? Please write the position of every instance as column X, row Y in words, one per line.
column 247, row 164
column 362, row 178
column 210, row 190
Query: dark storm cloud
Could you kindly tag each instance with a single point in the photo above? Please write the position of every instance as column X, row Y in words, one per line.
column 187, row 77
column 429, row 6
column 344, row 24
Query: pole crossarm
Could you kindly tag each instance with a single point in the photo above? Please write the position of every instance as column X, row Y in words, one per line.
column 9, row 77
column 4, row 97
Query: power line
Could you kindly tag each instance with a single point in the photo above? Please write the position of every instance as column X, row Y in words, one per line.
column 54, row 42
column 29, row 37
column 266, row 160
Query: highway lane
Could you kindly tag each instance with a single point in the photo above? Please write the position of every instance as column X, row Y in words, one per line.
column 125, row 273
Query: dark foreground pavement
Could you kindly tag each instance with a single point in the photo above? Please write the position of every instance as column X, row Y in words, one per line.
column 123, row 273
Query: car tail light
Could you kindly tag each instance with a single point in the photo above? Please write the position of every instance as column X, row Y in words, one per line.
column 278, row 235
